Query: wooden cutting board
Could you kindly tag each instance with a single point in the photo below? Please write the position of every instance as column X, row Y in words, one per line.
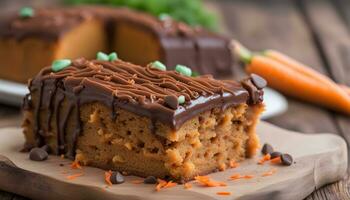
column 319, row 159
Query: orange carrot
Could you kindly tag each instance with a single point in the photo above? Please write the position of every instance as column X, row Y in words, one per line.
column 206, row 181
column 248, row 176
column 108, row 177
column 223, row 193
column 75, row 165
column 160, row 185
column 136, row 181
column 170, row 184
column 298, row 85
column 74, row 176
column 235, row 176
column 276, row 160
column 303, row 69
column 264, row 159
column 270, row 172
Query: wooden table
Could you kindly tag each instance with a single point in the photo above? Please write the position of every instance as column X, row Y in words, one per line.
column 315, row 32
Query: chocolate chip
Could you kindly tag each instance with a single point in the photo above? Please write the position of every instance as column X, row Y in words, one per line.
column 61, row 164
column 286, row 159
column 275, row 154
column 267, row 149
column 171, row 101
column 117, row 178
column 150, row 180
column 258, row 81
column 38, row 154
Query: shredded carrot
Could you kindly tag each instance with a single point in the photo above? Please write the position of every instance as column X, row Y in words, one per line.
column 223, row 193
column 234, row 164
column 266, row 157
column 248, row 176
column 74, row 176
column 270, row 172
column 160, row 185
column 276, row 160
column 235, row 176
column 108, row 177
column 75, row 165
column 170, row 184
column 205, row 181
column 137, row 181
column 187, row 185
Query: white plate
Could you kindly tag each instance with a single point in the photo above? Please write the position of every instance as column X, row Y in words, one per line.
column 12, row 93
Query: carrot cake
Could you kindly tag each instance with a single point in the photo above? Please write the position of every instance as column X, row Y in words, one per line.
column 33, row 38
column 146, row 121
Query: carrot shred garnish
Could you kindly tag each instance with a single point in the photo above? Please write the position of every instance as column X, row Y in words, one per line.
column 223, row 193
column 170, row 184
column 248, row 176
column 235, row 176
column 108, row 177
column 276, row 160
column 266, row 157
column 75, row 165
column 269, row 173
column 187, row 185
column 160, row 185
column 205, row 181
column 234, row 164
column 74, row 176
column 137, row 181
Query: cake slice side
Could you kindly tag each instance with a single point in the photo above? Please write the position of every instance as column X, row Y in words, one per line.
column 217, row 131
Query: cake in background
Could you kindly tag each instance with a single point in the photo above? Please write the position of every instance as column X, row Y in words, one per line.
column 33, row 38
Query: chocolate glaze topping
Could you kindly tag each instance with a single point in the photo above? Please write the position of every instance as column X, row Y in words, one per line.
column 142, row 90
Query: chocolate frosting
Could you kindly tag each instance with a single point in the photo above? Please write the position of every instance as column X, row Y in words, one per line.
column 144, row 91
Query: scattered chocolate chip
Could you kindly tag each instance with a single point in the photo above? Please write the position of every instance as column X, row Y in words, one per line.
column 61, row 164
column 171, row 101
column 267, row 149
column 150, row 180
column 286, row 159
column 258, row 81
column 275, row 154
column 38, row 154
column 117, row 178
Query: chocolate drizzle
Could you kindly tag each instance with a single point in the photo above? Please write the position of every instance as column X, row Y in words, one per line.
column 141, row 90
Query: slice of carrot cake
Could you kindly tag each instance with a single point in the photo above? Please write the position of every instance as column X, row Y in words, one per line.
column 146, row 121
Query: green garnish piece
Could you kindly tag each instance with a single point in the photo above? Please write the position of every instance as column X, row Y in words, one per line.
column 181, row 99
column 26, row 12
column 182, row 69
column 102, row 56
column 58, row 65
column 112, row 56
column 158, row 65
column 164, row 16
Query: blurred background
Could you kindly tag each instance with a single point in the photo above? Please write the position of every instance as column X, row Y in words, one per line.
column 315, row 32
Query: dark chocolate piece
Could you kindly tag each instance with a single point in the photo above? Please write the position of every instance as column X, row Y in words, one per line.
column 286, row 159
column 258, row 81
column 38, row 154
column 275, row 154
column 171, row 101
column 150, row 180
column 118, row 84
column 267, row 149
column 117, row 178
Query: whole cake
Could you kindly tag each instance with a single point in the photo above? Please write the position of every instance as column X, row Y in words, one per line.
column 29, row 41
column 142, row 120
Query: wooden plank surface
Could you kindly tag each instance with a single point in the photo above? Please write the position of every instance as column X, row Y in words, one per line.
column 315, row 32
